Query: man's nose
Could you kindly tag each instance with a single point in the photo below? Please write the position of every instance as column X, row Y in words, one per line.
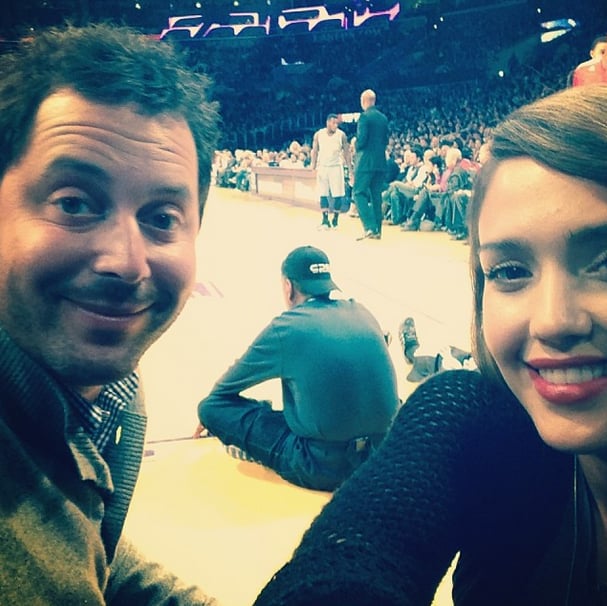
column 122, row 250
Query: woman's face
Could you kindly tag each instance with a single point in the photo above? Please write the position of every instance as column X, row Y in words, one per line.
column 543, row 251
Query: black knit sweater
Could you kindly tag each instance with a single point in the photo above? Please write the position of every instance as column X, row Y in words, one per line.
column 462, row 470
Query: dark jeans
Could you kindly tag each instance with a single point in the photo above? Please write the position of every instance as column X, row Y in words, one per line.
column 402, row 198
column 367, row 192
column 429, row 204
column 458, row 211
column 264, row 435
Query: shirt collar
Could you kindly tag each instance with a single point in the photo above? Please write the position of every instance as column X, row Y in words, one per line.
column 100, row 418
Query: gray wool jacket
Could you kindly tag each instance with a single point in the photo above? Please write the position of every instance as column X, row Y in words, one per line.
column 63, row 505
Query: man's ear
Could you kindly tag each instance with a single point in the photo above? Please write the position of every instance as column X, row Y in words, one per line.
column 290, row 291
column 287, row 290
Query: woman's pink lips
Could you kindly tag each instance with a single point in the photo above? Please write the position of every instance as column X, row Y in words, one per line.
column 566, row 393
column 546, row 363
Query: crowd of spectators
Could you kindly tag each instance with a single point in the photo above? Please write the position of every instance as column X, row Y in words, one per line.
column 427, row 186
column 452, row 109
column 435, row 67
column 233, row 169
column 438, row 76
column 452, row 68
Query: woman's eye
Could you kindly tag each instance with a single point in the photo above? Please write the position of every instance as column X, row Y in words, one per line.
column 507, row 272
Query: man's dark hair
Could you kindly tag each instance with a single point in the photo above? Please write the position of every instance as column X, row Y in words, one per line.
column 418, row 151
column 108, row 64
column 438, row 161
column 331, row 116
column 598, row 40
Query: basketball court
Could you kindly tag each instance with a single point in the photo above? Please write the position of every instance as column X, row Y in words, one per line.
column 225, row 524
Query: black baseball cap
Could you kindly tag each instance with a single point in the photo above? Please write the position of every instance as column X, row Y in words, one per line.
column 309, row 267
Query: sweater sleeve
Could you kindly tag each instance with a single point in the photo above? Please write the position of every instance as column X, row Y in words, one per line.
column 261, row 362
column 390, row 532
column 135, row 580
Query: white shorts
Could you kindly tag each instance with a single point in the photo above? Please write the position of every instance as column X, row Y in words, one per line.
column 331, row 181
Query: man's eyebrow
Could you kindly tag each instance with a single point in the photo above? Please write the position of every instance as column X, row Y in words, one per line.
column 69, row 163
column 174, row 191
column 90, row 170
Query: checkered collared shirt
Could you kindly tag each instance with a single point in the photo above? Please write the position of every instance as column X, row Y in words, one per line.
column 100, row 419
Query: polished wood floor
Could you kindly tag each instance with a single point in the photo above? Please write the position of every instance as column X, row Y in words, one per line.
column 225, row 524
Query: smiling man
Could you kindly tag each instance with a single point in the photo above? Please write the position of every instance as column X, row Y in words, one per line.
column 107, row 141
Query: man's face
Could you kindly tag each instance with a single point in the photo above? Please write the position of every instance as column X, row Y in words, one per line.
column 600, row 52
column 452, row 157
column 98, row 222
column 332, row 125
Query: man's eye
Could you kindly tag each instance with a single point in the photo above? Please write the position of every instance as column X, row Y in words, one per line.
column 164, row 220
column 599, row 267
column 168, row 218
column 72, row 205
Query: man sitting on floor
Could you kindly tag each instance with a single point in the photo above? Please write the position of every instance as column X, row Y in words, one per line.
column 338, row 384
